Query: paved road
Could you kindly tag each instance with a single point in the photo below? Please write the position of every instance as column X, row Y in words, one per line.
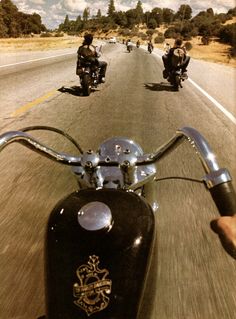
column 193, row 278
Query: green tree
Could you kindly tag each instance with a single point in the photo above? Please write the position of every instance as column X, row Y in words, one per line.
column 131, row 18
column 78, row 24
column 232, row 12
column 159, row 38
column 86, row 14
column 210, row 12
column 99, row 14
column 139, row 12
column 152, row 24
column 222, row 17
column 184, row 12
column 14, row 23
column 3, row 27
column 227, row 34
column 205, row 40
column 66, row 24
column 146, row 17
column 111, row 9
column 26, row 25
column 120, row 18
column 157, row 15
column 35, row 23
column 186, row 30
column 10, row 18
column 171, row 33
column 168, row 15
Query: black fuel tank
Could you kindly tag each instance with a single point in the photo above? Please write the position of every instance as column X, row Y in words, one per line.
column 97, row 273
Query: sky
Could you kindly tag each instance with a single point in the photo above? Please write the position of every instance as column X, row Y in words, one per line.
column 53, row 12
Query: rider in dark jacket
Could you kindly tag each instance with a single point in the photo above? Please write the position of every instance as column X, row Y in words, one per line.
column 167, row 59
column 90, row 52
column 150, row 46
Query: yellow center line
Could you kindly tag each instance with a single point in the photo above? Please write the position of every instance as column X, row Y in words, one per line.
column 29, row 105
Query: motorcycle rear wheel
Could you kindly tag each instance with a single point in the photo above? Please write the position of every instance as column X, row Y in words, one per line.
column 177, row 83
column 86, row 85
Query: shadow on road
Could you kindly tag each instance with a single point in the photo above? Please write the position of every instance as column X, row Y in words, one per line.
column 159, row 87
column 74, row 90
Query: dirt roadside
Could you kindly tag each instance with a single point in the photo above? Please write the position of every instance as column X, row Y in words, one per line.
column 214, row 52
column 38, row 44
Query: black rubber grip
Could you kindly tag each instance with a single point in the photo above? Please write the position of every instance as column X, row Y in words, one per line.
column 225, row 198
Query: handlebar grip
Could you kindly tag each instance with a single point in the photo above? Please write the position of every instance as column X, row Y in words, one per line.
column 225, row 198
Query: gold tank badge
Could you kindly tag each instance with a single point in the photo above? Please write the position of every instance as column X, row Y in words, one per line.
column 93, row 287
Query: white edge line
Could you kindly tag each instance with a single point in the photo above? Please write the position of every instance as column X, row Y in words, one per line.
column 217, row 104
column 35, row 60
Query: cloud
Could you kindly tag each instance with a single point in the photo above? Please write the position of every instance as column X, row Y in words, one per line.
column 218, row 6
column 21, row 5
column 24, row 6
column 74, row 5
column 38, row 2
column 147, row 5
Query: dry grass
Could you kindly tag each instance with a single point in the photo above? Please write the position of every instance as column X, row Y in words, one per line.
column 38, row 44
column 214, row 52
column 233, row 20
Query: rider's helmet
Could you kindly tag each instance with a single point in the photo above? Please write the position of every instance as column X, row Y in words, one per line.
column 178, row 42
column 88, row 39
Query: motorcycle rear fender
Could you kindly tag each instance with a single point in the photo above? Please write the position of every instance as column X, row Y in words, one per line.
column 123, row 253
column 87, row 70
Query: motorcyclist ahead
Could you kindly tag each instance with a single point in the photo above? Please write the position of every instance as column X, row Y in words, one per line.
column 170, row 57
column 150, row 46
column 129, row 45
column 87, row 51
column 167, row 48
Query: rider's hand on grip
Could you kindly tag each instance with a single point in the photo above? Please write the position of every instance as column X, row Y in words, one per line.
column 225, row 198
column 225, row 226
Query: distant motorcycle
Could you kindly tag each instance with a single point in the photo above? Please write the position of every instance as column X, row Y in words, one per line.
column 150, row 48
column 129, row 47
column 89, row 73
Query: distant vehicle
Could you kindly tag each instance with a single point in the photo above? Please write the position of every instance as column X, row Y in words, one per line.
column 112, row 40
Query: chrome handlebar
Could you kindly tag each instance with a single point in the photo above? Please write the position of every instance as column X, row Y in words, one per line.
column 126, row 161
column 30, row 142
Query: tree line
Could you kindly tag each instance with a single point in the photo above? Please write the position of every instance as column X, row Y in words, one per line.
column 14, row 23
column 206, row 24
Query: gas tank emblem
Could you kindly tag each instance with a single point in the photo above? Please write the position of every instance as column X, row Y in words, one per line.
column 93, row 287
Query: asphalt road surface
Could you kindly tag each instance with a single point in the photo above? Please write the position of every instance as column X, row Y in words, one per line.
column 191, row 277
